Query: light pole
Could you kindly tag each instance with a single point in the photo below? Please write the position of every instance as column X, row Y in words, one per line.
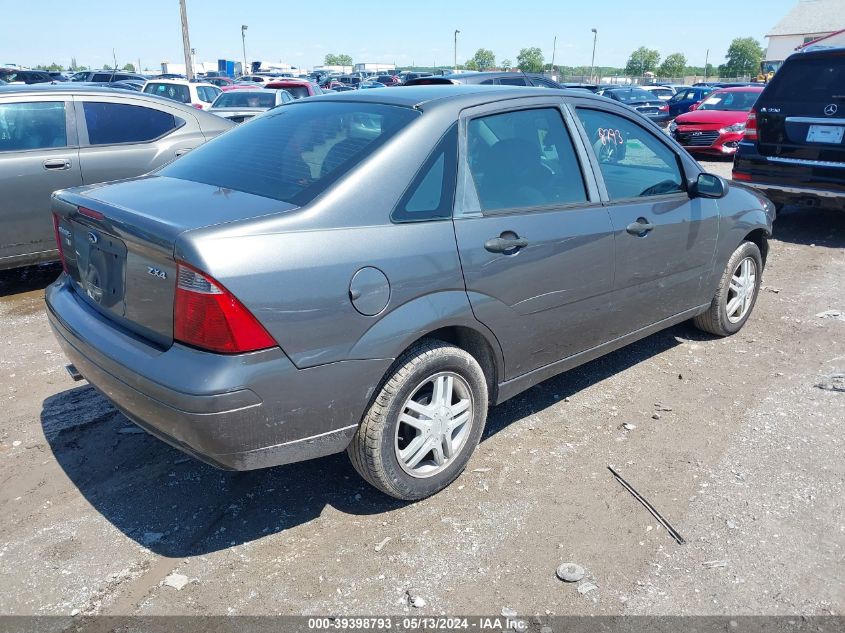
column 706, row 61
column 593, row 62
column 554, row 50
column 456, row 50
column 244, row 27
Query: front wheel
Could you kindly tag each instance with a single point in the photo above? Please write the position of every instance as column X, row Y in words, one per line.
column 737, row 293
column 424, row 424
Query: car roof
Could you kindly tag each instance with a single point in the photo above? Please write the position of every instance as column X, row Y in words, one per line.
column 459, row 95
column 811, row 52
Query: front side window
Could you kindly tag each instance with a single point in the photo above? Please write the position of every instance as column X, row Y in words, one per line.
column 293, row 153
column 32, row 126
column 634, row 163
column 110, row 123
column 523, row 159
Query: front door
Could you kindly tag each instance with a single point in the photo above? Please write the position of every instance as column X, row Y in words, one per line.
column 665, row 241
column 536, row 246
column 38, row 155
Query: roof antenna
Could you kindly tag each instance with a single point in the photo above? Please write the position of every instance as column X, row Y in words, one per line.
column 113, row 70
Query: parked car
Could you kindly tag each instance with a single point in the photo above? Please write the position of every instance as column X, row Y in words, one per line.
column 305, row 311
column 18, row 76
column 198, row 95
column 256, row 79
column 220, row 82
column 370, row 84
column 130, row 84
column 57, row 75
column 717, row 124
column 106, row 76
column 685, row 99
column 487, row 78
column 58, row 136
column 794, row 144
column 407, row 76
column 242, row 105
column 661, row 92
column 580, row 86
column 642, row 101
column 388, row 80
column 298, row 88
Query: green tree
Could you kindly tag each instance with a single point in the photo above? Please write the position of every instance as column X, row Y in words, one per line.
column 484, row 58
column 338, row 60
column 744, row 56
column 506, row 64
column 673, row 66
column 530, row 60
column 642, row 61
column 470, row 65
column 130, row 68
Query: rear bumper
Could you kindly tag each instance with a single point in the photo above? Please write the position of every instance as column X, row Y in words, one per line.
column 235, row 412
column 784, row 179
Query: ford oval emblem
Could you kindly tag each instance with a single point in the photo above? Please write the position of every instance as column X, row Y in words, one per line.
column 92, row 237
column 831, row 109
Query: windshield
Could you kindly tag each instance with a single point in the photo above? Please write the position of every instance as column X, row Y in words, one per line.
column 731, row 101
column 635, row 94
column 292, row 153
column 244, row 99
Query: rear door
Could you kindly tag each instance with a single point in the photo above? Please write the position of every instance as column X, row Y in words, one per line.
column 38, row 155
column 801, row 113
column 665, row 241
column 125, row 137
column 535, row 243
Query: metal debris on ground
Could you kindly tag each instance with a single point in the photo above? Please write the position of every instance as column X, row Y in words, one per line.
column 481, row 470
column 832, row 382
column 672, row 531
column 586, row 587
column 570, row 572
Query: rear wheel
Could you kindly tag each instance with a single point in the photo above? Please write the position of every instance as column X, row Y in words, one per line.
column 424, row 424
column 737, row 293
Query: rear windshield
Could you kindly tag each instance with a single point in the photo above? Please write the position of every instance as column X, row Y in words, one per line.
column 292, row 153
column 235, row 99
column 632, row 95
column 297, row 92
column 731, row 101
column 808, row 80
column 175, row 92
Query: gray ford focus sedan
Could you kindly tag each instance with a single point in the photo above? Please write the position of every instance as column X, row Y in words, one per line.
column 371, row 271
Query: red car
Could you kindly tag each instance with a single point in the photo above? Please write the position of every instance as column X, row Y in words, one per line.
column 716, row 125
column 298, row 88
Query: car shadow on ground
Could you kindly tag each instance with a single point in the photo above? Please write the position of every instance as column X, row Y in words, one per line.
column 177, row 506
column 20, row 280
column 819, row 227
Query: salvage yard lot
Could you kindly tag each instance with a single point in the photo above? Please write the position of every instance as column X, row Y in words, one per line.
column 731, row 439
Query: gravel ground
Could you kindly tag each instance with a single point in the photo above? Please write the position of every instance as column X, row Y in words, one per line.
column 730, row 439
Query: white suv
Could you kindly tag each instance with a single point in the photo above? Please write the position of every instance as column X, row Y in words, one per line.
column 199, row 95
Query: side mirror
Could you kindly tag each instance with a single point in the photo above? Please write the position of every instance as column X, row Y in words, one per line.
column 709, row 186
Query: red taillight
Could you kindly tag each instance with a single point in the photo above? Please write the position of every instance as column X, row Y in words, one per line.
column 198, row 106
column 59, row 243
column 90, row 213
column 751, row 126
column 664, row 108
column 738, row 175
column 208, row 316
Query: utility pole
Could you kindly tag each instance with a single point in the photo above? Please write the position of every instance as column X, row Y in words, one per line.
column 706, row 61
column 456, row 50
column 186, row 41
column 554, row 50
column 593, row 62
column 244, row 27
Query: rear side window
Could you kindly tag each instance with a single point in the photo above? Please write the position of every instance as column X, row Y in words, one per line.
column 512, row 81
column 32, row 126
column 110, row 123
column 174, row 92
column 523, row 159
column 293, row 153
column 431, row 194
column 297, row 92
column 633, row 162
column 808, row 80
column 206, row 94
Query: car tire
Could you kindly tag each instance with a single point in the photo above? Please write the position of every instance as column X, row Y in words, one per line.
column 392, row 435
column 737, row 293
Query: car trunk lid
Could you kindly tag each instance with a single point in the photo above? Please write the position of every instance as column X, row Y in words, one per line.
column 118, row 242
column 801, row 114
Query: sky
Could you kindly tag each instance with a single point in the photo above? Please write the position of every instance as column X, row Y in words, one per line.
column 405, row 33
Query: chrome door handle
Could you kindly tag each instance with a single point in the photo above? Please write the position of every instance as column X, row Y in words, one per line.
column 505, row 244
column 57, row 164
column 640, row 228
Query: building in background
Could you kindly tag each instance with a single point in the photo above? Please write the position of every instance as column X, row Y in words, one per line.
column 808, row 20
